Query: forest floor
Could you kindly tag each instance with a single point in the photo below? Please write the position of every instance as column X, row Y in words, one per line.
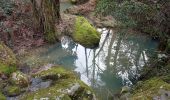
column 18, row 30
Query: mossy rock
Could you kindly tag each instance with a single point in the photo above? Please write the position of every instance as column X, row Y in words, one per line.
column 149, row 89
column 20, row 79
column 12, row 90
column 55, row 73
column 2, row 97
column 73, row 1
column 66, row 86
column 7, row 60
column 85, row 34
column 125, row 89
column 3, row 83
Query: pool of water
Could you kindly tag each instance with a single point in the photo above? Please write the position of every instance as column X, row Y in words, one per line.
column 64, row 6
column 114, row 64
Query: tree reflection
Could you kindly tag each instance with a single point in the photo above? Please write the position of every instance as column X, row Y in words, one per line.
column 120, row 63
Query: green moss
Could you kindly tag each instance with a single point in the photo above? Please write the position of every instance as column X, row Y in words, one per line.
column 149, row 88
column 54, row 73
column 166, row 78
column 49, row 20
column 5, row 69
column 2, row 97
column 85, row 33
column 6, row 55
column 60, row 86
column 73, row 1
column 57, row 90
column 20, row 79
column 12, row 90
column 7, row 60
column 50, row 36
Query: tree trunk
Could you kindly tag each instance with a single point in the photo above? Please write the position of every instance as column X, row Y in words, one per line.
column 47, row 14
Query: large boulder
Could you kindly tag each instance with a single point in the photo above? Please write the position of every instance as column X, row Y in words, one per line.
column 80, row 29
column 85, row 34
column 20, row 79
column 12, row 90
column 7, row 60
column 2, row 97
column 64, row 86
column 152, row 89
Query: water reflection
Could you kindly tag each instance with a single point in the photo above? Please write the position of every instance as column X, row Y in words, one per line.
column 114, row 64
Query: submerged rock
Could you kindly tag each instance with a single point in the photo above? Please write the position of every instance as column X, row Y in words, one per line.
column 19, row 78
column 65, row 86
column 153, row 88
column 7, row 60
column 85, row 34
column 125, row 89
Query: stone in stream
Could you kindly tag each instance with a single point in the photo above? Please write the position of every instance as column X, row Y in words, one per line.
column 125, row 89
column 65, row 86
column 80, row 30
column 85, row 34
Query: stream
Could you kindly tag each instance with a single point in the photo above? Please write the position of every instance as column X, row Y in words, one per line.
column 117, row 61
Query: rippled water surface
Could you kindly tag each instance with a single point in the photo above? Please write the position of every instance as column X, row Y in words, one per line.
column 115, row 63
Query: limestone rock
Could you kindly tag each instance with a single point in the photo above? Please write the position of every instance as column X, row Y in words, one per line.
column 85, row 34
column 65, row 86
column 20, row 79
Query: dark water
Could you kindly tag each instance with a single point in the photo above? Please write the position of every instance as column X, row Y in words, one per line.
column 106, row 69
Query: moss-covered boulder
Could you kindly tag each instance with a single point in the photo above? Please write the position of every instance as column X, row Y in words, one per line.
column 7, row 60
column 12, row 90
column 151, row 89
column 2, row 97
column 54, row 73
column 65, row 86
column 20, row 79
column 85, row 34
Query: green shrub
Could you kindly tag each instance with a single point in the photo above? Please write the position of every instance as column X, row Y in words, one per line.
column 146, row 16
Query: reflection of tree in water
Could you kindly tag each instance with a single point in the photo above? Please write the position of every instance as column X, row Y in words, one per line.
column 69, row 60
column 62, row 53
column 128, row 56
column 124, row 58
